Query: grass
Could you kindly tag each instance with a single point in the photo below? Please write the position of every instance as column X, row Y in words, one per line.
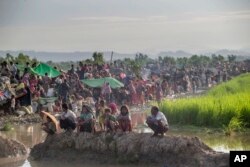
column 7, row 127
column 226, row 105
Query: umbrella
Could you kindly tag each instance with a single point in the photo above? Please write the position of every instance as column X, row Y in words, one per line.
column 114, row 83
column 43, row 68
column 53, row 118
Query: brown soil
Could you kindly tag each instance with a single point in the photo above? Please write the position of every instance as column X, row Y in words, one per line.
column 134, row 148
column 11, row 148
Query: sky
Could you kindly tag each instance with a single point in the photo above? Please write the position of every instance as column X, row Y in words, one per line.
column 126, row 26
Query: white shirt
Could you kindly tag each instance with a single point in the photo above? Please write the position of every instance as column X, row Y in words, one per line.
column 69, row 114
column 161, row 117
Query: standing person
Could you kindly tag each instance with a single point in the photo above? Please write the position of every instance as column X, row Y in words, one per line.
column 157, row 121
column 72, row 70
column 13, row 69
column 140, row 89
column 132, row 91
column 68, row 118
column 46, row 83
column 74, row 104
column 26, row 76
column 164, row 86
column 64, row 91
column 101, row 114
column 24, row 96
column 124, row 119
column 106, row 91
column 33, row 83
column 159, row 93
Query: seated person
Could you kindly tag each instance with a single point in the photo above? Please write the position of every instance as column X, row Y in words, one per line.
column 86, row 121
column 157, row 121
column 124, row 119
column 111, row 124
column 49, row 126
column 68, row 118
column 114, row 109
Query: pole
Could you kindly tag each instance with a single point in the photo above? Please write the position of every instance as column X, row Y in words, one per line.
column 111, row 57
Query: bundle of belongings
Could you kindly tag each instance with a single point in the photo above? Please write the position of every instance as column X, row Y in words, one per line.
column 5, row 93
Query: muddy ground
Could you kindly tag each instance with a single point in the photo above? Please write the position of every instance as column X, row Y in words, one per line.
column 134, row 148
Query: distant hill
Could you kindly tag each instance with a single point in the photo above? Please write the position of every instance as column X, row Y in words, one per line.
column 226, row 52
column 178, row 53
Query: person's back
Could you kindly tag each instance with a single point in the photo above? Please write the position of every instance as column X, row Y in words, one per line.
column 70, row 114
column 161, row 117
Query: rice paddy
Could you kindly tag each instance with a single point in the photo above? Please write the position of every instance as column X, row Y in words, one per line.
column 225, row 105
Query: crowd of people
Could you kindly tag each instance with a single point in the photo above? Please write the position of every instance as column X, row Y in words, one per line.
column 82, row 106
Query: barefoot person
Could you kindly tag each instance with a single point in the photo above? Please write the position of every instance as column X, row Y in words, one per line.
column 124, row 120
column 157, row 121
column 68, row 118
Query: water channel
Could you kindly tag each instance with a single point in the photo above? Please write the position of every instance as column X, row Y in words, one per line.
column 31, row 135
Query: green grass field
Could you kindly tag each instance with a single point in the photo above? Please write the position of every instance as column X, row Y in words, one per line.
column 226, row 105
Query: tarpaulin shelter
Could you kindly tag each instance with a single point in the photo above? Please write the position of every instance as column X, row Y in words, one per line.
column 114, row 83
column 43, row 68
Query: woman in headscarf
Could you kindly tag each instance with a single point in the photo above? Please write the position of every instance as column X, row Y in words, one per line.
column 86, row 121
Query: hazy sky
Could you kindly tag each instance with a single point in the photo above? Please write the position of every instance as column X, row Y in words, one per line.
column 126, row 26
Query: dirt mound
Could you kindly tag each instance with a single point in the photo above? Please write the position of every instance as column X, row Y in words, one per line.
column 11, row 148
column 174, row 151
column 26, row 119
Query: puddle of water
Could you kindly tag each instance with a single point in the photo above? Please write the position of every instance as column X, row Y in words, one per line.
column 217, row 141
column 31, row 135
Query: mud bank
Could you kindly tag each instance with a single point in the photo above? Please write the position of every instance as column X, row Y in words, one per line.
column 134, row 148
column 11, row 151
column 25, row 119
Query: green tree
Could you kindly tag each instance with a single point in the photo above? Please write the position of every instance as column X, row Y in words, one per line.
column 205, row 60
column 9, row 57
column 231, row 58
column 135, row 67
column 169, row 60
column 182, row 61
column 194, row 60
column 141, row 59
column 98, row 58
column 22, row 58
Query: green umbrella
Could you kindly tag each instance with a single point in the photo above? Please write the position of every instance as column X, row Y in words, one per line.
column 114, row 83
column 43, row 68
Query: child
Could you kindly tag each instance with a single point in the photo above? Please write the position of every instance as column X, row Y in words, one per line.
column 110, row 121
column 124, row 119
